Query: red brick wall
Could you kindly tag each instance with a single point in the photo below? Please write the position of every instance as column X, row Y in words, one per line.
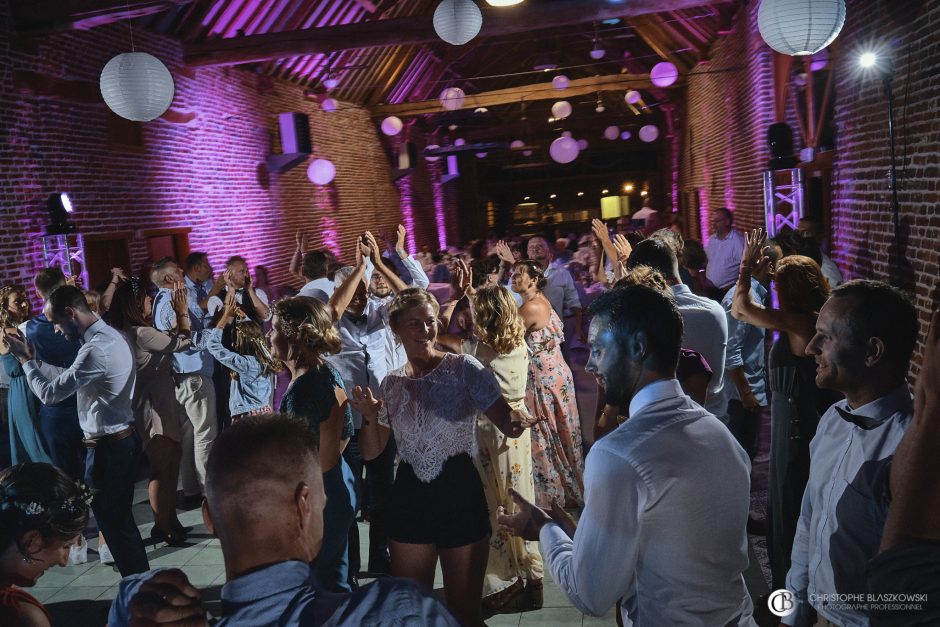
column 731, row 106
column 207, row 173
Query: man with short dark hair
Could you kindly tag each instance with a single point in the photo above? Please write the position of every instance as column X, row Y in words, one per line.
column 315, row 268
column 724, row 250
column 102, row 377
column 264, row 502
column 666, row 493
column 865, row 335
column 810, row 228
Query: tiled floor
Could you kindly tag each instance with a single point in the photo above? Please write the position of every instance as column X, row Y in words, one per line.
column 79, row 596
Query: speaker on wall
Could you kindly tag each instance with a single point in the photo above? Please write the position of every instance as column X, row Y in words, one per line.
column 295, row 142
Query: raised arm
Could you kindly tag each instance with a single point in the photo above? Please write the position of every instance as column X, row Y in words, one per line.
column 373, row 437
column 603, row 236
column 419, row 277
column 296, row 260
column 393, row 280
column 464, row 289
column 261, row 305
column 344, row 294
column 117, row 276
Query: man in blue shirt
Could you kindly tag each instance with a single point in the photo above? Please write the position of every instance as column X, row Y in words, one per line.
column 264, row 501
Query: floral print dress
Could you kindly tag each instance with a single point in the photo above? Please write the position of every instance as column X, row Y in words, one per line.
column 557, row 456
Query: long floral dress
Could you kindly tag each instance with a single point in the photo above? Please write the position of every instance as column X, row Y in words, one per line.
column 557, row 457
column 505, row 463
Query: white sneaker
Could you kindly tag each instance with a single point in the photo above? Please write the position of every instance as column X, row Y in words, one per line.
column 78, row 554
column 104, row 554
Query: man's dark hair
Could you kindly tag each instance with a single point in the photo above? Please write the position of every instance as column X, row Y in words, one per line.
column 657, row 254
column 883, row 311
column 728, row 214
column 48, row 279
column 792, row 243
column 316, row 265
column 634, row 308
column 195, row 259
column 67, row 296
column 273, row 447
column 235, row 259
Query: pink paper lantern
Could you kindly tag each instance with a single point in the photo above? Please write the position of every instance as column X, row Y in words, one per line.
column 632, row 96
column 328, row 104
column 321, row 172
column 392, row 126
column 664, row 74
column 611, row 133
column 560, row 82
column 649, row 133
column 564, row 150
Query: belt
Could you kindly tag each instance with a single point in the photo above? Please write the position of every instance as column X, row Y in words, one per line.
column 110, row 438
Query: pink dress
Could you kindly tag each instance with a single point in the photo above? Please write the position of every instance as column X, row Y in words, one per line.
column 557, row 457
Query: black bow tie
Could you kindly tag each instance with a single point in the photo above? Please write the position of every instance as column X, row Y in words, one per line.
column 863, row 422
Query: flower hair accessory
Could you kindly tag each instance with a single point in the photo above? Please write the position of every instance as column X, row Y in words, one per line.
column 72, row 505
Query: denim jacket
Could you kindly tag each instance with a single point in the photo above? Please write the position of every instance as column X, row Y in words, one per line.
column 251, row 390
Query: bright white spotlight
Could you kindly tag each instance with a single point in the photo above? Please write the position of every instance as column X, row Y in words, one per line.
column 868, row 59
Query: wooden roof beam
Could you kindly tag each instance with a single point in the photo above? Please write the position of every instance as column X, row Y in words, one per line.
column 527, row 93
column 416, row 29
column 48, row 16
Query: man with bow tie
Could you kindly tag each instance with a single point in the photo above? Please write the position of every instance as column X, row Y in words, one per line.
column 865, row 335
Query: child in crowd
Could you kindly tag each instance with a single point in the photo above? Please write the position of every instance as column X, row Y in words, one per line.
column 251, row 364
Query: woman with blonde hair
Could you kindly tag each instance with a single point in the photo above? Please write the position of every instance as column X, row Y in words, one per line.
column 302, row 333
column 514, row 570
column 797, row 404
column 437, row 505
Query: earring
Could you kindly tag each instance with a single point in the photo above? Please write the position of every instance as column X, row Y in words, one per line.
column 27, row 559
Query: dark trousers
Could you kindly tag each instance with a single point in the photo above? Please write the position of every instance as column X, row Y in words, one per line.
column 63, row 435
column 373, row 494
column 745, row 426
column 109, row 472
column 6, row 457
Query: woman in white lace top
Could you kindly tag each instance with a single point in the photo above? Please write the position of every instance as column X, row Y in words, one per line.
column 437, row 506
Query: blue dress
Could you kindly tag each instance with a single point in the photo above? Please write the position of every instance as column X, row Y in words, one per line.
column 312, row 397
column 26, row 441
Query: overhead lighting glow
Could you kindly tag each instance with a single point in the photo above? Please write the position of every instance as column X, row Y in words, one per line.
column 503, row 3
column 552, row 195
column 868, row 59
column 628, row 187
column 527, row 198
column 604, row 191
column 580, row 193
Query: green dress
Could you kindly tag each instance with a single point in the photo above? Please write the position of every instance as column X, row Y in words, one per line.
column 26, row 441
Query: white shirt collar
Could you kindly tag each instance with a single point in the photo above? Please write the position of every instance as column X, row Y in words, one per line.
column 650, row 393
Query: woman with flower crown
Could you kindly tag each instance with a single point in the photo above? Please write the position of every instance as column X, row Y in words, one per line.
column 42, row 514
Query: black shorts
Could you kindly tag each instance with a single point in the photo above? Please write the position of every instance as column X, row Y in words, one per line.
column 449, row 512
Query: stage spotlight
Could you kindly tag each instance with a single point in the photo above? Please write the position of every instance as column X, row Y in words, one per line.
column 59, row 207
column 868, row 59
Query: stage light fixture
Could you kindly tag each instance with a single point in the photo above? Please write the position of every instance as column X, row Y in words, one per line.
column 868, row 59
column 59, row 206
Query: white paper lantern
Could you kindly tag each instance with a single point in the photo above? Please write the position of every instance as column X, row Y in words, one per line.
column 582, row 144
column 649, row 133
column 611, row 133
column 626, row 135
column 516, row 144
column 564, row 150
column 392, row 125
column 800, row 27
column 561, row 109
column 452, row 98
column 432, row 158
column 566, row 134
column 560, row 82
column 328, row 104
column 460, row 141
column 632, row 96
column 481, row 155
column 321, row 172
column 137, row 86
column 664, row 74
column 457, row 21
column 526, row 153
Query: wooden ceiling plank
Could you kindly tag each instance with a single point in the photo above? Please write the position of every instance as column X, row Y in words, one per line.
column 46, row 16
column 416, row 29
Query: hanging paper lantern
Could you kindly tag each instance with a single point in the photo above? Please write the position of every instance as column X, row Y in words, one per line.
column 481, row 155
column 564, row 150
column 328, row 104
column 664, row 74
column 800, row 27
column 582, row 144
column 526, row 153
column 392, row 125
column 432, row 158
column 137, row 86
column 632, row 96
column 611, row 132
column 600, row 108
column 560, row 82
column 452, row 98
column 457, row 21
column 626, row 135
column 649, row 133
column 561, row 109
column 460, row 141
column 566, row 134
column 516, row 144
column 321, row 172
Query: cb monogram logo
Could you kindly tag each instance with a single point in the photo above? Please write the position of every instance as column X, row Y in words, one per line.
column 781, row 602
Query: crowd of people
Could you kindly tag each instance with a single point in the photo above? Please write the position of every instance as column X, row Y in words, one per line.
column 452, row 414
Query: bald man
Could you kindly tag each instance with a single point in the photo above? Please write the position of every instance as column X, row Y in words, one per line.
column 264, row 502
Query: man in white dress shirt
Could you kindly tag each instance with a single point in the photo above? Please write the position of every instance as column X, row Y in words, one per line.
column 102, row 378
column 666, row 493
column 724, row 250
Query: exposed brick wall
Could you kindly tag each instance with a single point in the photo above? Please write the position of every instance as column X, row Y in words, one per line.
column 725, row 149
column 207, row 173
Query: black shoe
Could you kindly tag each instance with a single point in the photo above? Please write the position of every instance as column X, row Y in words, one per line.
column 172, row 538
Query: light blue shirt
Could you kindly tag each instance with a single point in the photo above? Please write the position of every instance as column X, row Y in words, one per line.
column 746, row 347
column 281, row 595
column 102, row 377
column 845, row 504
column 666, row 499
column 706, row 332
column 197, row 360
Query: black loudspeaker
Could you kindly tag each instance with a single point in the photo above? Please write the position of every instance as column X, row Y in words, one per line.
column 295, row 133
column 295, row 142
column 780, row 140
